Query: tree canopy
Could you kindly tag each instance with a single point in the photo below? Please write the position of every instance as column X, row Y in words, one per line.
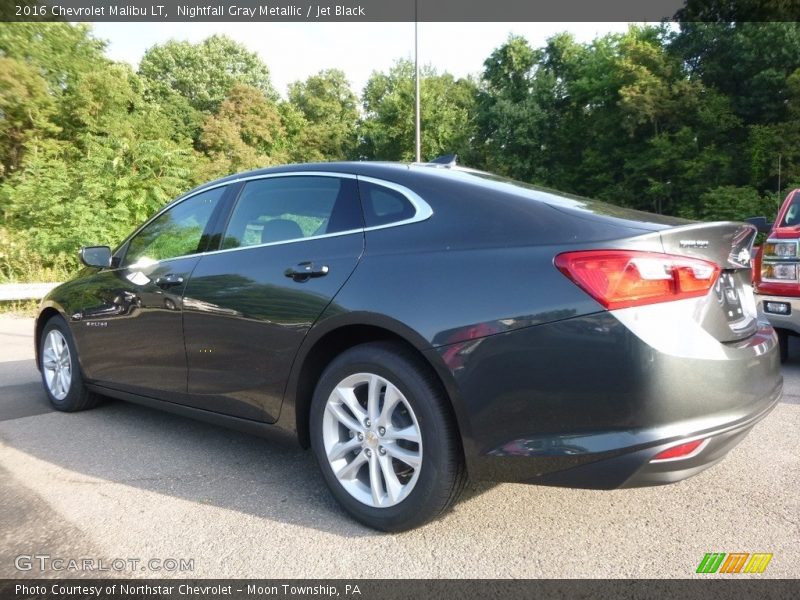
column 700, row 121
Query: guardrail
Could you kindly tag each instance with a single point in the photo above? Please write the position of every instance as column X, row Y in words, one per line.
column 24, row 291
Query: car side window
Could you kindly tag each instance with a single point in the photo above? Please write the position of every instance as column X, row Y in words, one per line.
column 383, row 205
column 176, row 232
column 793, row 213
column 280, row 209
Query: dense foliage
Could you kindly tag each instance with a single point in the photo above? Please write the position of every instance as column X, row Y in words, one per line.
column 701, row 120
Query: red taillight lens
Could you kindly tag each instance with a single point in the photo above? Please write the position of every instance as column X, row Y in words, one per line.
column 623, row 278
column 681, row 451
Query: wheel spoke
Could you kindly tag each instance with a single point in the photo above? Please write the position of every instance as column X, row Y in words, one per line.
column 390, row 401
column 350, row 470
column 63, row 382
column 374, row 398
column 338, row 411
column 410, row 457
column 57, row 390
column 394, row 489
column 341, row 449
column 49, row 358
column 375, row 480
column 409, row 434
column 348, row 398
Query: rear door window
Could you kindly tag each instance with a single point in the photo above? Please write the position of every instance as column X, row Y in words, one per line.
column 283, row 209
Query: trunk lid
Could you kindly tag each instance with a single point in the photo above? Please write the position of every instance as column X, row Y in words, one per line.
column 729, row 312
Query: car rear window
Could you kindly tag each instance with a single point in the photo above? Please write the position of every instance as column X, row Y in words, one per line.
column 383, row 205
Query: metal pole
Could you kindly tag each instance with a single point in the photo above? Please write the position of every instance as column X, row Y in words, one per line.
column 780, row 156
column 418, row 134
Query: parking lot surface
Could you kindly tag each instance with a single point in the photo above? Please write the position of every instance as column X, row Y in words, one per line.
column 131, row 483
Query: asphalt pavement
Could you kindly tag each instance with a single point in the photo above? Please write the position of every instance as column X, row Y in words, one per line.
column 142, row 493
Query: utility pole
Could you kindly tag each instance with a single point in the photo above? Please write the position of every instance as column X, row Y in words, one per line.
column 418, row 135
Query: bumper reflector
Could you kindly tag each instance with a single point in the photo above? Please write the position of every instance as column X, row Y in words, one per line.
column 681, row 451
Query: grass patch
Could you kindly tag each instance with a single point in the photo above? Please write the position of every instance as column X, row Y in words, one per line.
column 22, row 308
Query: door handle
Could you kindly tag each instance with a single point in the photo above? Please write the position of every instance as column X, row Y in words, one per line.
column 168, row 281
column 305, row 271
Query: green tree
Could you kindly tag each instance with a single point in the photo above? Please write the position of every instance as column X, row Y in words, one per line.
column 27, row 110
column 91, row 156
column 59, row 51
column 246, row 133
column 732, row 203
column 330, row 109
column 747, row 62
column 203, row 73
column 447, row 114
column 514, row 108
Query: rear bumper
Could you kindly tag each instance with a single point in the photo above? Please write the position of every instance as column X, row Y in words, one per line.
column 586, row 403
column 789, row 322
column 635, row 469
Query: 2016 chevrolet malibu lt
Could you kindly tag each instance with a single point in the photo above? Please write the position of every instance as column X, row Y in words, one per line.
column 413, row 324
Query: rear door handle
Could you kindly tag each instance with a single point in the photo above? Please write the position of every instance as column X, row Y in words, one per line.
column 169, row 280
column 305, row 271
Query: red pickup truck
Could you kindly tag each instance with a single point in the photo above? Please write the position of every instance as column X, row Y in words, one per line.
column 776, row 271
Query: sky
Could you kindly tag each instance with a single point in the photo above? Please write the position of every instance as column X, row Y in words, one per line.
column 293, row 51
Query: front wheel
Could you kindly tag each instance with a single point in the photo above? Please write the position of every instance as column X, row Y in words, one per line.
column 61, row 374
column 385, row 439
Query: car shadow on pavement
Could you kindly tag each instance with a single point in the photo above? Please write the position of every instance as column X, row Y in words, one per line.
column 271, row 478
column 21, row 392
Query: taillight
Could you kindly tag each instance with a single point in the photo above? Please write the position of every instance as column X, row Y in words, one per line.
column 623, row 278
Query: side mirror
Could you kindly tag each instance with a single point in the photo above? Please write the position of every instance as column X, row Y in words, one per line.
column 760, row 223
column 95, row 256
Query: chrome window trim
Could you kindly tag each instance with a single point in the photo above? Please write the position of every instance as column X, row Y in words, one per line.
column 423, row 211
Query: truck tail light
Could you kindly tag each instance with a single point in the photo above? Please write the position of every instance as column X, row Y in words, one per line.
column 624, row 278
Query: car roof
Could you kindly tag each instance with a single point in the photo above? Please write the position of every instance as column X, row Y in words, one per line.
column 399, row 172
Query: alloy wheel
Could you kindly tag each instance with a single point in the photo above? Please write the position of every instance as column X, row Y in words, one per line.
column 372, row 440
column 57, row 364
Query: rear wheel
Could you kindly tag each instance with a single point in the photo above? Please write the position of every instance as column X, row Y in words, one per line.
column 384, row 438
column 61, row 374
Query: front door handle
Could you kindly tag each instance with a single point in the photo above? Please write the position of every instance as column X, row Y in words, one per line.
column 306, row 270
column 168, row 281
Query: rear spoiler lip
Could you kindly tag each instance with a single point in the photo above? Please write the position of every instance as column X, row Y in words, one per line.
column 728, row 243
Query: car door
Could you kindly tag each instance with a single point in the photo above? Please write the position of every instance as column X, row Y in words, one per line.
column 129, row 330
column 291, row 243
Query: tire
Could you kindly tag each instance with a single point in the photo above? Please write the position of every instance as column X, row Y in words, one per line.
column 404, row 381
column 783, row 344
column 60, row 369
